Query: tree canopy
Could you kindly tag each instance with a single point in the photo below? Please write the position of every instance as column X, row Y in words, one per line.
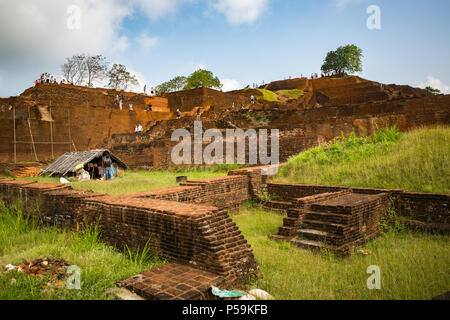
column 120, row 78
column 176, row 84
column 344, row 59
column 433, row 90
column 82, row 68
column 206, row 77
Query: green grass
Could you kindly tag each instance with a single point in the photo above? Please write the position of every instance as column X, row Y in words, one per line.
column 139, row 181
column 292, row 94
column 23, row 239
column 268, row 95
column 414, row 161
column 413, row 265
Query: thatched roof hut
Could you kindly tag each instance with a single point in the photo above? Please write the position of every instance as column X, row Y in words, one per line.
column 67, row 163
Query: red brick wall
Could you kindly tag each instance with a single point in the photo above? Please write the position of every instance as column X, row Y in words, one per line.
column 202, row 236
column 425, row 207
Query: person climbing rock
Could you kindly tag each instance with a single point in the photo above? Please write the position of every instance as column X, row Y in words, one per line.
column 198, row 113
column 149, row 107
column 252, row 99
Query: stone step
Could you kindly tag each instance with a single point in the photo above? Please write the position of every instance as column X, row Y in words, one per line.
column 335, row 228
column 327, row 217
column 315, row 235
column 308, row 244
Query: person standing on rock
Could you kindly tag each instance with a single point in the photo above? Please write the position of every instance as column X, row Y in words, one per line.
column 178, row 114
column 198, row 114
column 252, row 99
column 145, row 89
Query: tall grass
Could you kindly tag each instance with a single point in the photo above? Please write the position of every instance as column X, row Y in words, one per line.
column 413, row 265
column 268, row 95
column 23, row 239
column 414, row 161
column 293, row 93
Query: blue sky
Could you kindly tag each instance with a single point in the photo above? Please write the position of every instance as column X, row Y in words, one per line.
column 241, row 41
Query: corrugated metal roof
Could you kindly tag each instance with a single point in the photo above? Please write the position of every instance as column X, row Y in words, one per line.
column 68, row 161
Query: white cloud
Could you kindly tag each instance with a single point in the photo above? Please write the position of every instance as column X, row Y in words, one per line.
column 241, row 11
column 156, row 9
column 146, row 42
column 38, row 32
column 230, row 85
column 343, row 3
column 435, row 83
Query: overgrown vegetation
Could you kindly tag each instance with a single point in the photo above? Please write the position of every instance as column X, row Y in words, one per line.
column 413, row 265
column 24, row 239
column 268, row 95
column 292, row 94
column 414, row 161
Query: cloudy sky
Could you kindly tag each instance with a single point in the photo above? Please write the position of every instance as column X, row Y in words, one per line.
column 241, row 41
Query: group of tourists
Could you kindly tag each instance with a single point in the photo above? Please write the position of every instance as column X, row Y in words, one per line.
column 138, row 129
column 119, row 100
column 153, row 91
column 48, row 78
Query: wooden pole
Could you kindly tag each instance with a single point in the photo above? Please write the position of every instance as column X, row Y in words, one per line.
column 32, row 140
column 70, row 135
column 14, row 129
column 51, row 132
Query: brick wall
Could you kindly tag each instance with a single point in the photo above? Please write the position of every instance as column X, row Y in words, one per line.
column 424, row 207
column 202, row 236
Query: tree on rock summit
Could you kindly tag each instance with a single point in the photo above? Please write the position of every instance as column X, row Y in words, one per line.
column 344, row 59
column 205, row 78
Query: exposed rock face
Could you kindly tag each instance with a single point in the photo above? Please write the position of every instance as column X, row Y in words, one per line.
column 328, row 107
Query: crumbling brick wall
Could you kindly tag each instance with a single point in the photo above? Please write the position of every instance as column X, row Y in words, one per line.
column 202, row 236
column 424, row 207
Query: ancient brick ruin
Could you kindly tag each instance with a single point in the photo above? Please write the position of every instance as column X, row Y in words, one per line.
column 190, row 226
column 53, row 119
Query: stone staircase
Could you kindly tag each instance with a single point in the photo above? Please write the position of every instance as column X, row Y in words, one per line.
column 337, row 221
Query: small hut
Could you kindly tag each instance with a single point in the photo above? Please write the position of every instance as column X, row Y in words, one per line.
column 92, row 162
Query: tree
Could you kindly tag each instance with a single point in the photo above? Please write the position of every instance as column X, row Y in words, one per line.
column 68, row 69
column 344, row 59
column 433, row 90
column 176, row 84
column 82, row 68
column 206, row 77
column 96, row 68
column 120, row 78
column 79, row 62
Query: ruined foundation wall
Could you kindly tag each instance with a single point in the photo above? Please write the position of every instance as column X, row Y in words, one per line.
column 202, row 236
column 424, row 207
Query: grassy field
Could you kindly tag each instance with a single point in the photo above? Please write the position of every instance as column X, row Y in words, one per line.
column 413, row 265
column 101, row 265
column 292, row 94
column 138, row 181
column 268, row 95
column 415, row 161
